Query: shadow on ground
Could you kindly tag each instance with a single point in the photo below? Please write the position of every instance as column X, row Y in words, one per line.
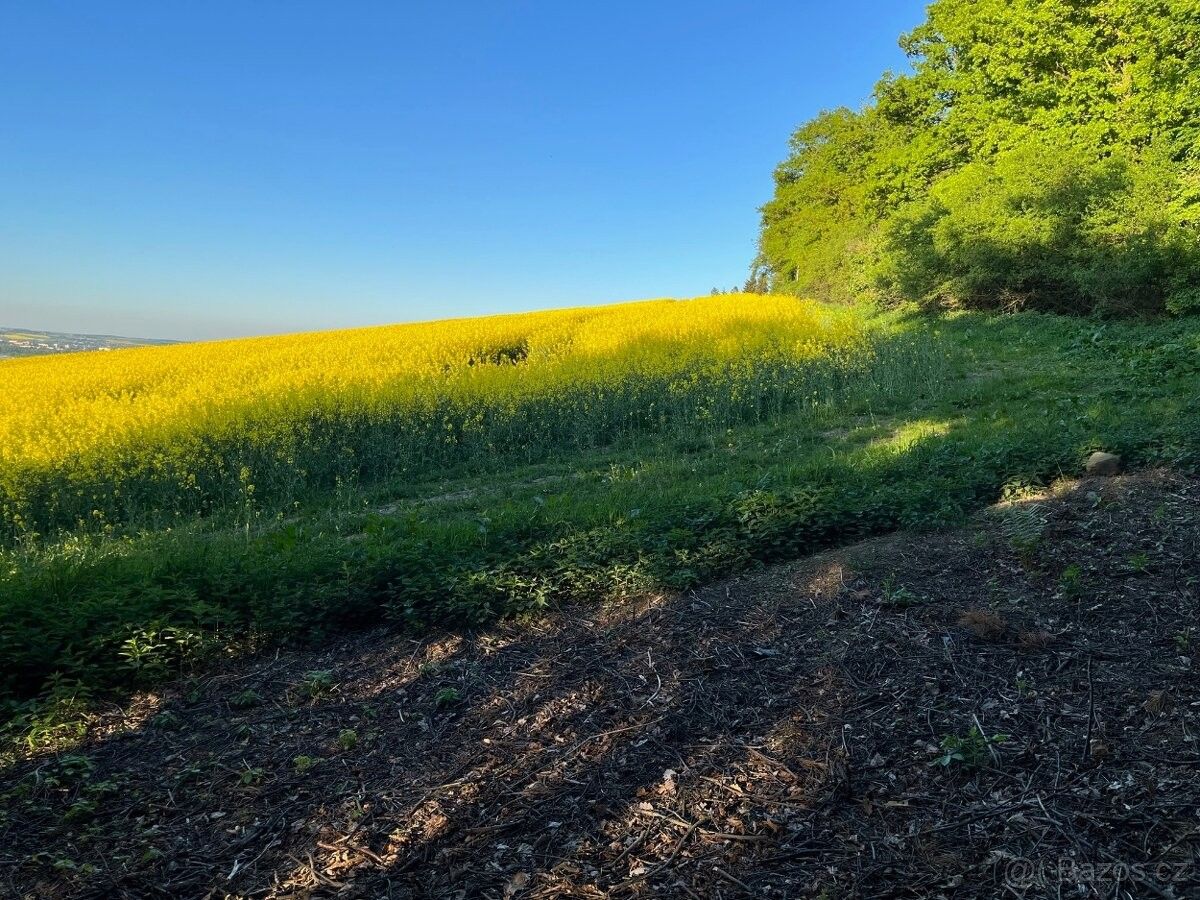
column 781, row 734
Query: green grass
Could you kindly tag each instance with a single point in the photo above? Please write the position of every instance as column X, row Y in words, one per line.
column 1000, row 403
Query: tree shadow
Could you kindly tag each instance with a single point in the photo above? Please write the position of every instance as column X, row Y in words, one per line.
column 467, row 747
column 555, row 728
column 71, row 606
column 769, row 735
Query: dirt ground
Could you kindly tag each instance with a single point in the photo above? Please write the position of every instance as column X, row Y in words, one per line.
column 801, row 731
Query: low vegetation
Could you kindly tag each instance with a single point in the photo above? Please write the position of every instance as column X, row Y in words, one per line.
column 795, row 729
column 880, row 422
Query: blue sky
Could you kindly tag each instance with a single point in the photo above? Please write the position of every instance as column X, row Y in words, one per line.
column 217, row 169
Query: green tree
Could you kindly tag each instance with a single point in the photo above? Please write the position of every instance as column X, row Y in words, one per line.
column 1041, row 153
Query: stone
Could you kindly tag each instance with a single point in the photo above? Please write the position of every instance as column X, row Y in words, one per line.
column 1101, row 463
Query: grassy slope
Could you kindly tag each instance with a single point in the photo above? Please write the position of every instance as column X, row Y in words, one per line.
column 1023, row 399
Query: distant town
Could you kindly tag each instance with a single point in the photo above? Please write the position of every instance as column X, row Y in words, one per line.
column 23, row 342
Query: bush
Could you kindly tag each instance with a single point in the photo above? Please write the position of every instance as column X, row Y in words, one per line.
column 1049, row 227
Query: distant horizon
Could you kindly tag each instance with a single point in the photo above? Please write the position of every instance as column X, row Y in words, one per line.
column 20, row 329
column 284, row 329
column 189, row 173
column 6, row 328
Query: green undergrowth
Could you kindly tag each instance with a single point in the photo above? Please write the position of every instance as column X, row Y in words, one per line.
column 1009, row 402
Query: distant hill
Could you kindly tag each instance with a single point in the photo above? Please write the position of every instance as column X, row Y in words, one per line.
column 24, row 342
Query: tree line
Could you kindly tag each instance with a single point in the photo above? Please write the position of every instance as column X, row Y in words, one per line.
column 1039, row 154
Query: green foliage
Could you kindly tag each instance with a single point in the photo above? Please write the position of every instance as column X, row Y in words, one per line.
column 1042, row 154
column 816, row 230
column 245, row 699
column 969, row 751
column 959, row 410
column 316, row 684
column 153, row 652
column 1071, row 581
column 53, row 721
column 1139, row 562
column 303, row 763
column 1043, row 225
column 898, row 596
column 250, row 775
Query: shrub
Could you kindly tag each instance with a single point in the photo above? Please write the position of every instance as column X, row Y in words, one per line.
column 1046, row 226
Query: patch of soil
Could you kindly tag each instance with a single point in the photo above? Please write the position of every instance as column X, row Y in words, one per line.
column 1007, row 710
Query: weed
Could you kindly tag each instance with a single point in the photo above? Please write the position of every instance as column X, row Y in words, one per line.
column 316, row 684
column 1070, row 582
column 303, row 763
column 898, row 596
column 55, row 721
column 145, row 653
column 347, row 739
column 152, row 653
column 74, row 766
column 969, row 751
column 80, row 810
column 65, row 864
column 101, row 788
column 166, row 721
column 245, row 699
column 250, row 775
column 1021, row 490
column 447, row 697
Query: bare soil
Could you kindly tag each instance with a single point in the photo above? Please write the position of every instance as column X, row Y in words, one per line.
column 780, row 734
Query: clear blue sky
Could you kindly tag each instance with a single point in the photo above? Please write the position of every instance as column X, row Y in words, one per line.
column 211, row 169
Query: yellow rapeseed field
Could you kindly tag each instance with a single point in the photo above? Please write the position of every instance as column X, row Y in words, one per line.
column 110, row 437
